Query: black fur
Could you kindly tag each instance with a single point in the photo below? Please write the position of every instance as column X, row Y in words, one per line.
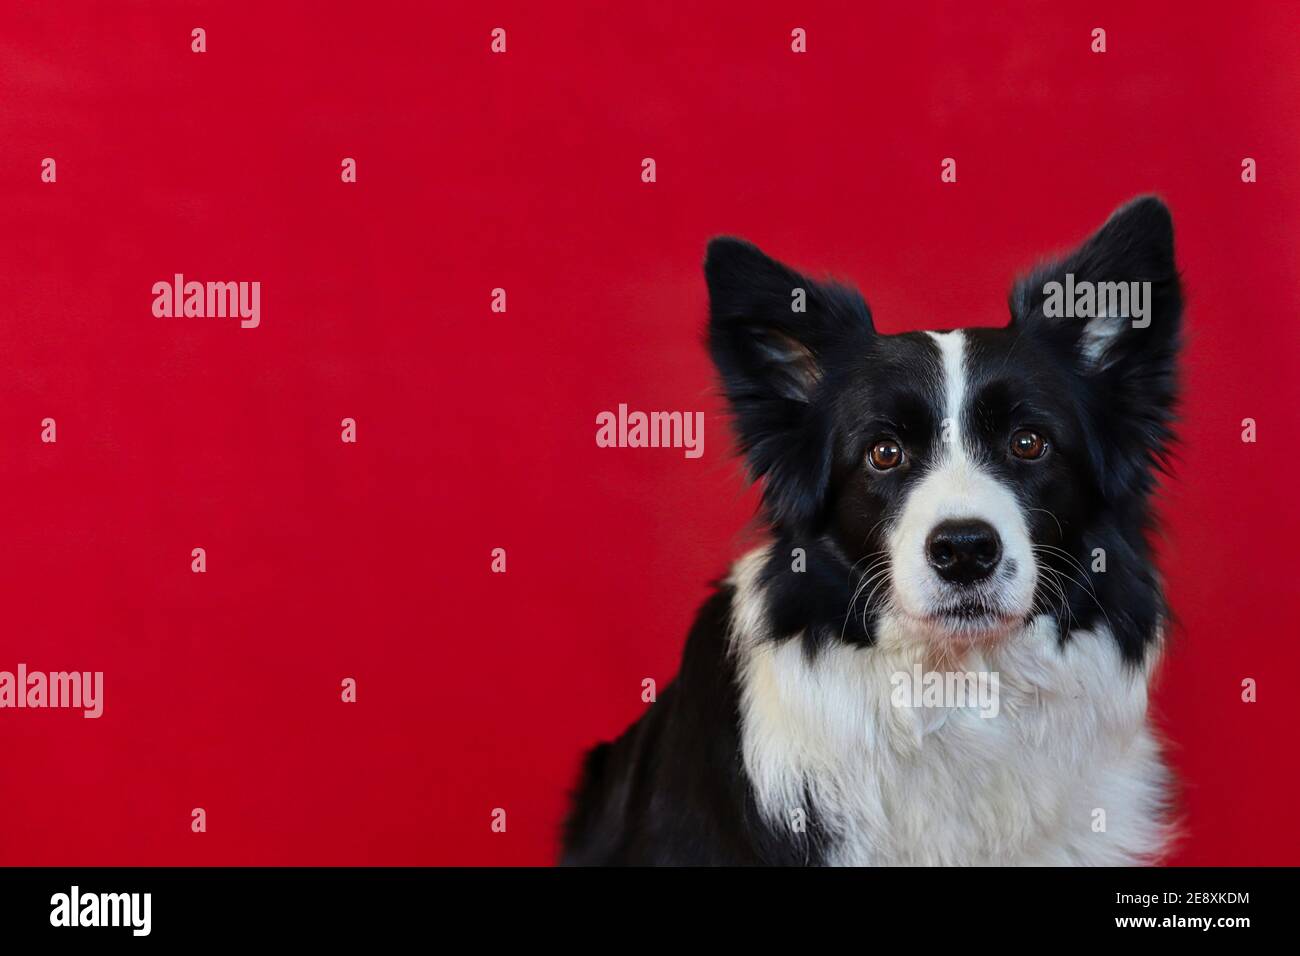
column 810, row 392
column 672, row 789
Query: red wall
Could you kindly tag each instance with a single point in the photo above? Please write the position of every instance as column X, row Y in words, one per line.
column 476, row 430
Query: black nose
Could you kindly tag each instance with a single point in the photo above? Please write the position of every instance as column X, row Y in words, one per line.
column 963, row 552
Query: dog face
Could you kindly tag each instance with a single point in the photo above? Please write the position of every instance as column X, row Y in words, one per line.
column 962, row 482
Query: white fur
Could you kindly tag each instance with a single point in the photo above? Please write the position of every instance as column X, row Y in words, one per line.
column 945, row 786
column 1098, row 334
column 1104, row 328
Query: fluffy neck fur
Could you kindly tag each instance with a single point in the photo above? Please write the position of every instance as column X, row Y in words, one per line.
column 1067, row 773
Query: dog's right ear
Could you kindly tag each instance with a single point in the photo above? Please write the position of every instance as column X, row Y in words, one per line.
column 773, row 334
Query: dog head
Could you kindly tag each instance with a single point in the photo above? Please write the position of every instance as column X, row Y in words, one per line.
column 959, row 483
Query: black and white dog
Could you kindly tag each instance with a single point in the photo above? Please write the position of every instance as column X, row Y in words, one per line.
column 969, row 503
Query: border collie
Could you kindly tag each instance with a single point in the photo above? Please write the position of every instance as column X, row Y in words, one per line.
column 973, row 503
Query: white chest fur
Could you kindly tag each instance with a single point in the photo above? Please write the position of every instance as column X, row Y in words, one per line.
column 1068, row 772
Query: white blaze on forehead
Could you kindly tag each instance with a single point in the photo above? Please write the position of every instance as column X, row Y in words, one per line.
column 952, row 353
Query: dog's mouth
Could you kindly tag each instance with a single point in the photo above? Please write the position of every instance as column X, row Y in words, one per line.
column 972, row 611
column 971, row 622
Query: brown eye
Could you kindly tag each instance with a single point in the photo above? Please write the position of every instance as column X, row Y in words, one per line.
column 886, row 454
column 1028, row 445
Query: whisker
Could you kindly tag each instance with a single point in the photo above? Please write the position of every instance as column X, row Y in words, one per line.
column 873, row 574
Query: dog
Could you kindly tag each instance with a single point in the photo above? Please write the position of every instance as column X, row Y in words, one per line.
column 974, row 503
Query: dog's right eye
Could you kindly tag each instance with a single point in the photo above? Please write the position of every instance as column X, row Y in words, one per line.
column 1028, row 445
column 886, row 454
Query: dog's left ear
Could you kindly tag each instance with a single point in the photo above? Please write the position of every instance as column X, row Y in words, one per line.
column 1115, row 305
column 1089, row 298
column 775, row 337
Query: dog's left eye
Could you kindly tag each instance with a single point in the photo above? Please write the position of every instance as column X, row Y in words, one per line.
column 1028, row 445
column 886, row 454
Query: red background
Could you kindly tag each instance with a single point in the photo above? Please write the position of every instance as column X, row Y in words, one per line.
column 476, row 430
